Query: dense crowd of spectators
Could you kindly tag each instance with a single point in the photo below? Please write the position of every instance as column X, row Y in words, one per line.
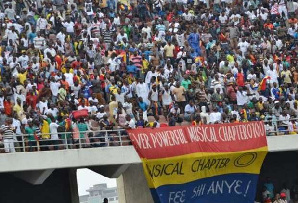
column 137, row 63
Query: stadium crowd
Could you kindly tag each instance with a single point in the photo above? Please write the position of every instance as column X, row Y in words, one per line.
column 133, row 64
column 82, row 65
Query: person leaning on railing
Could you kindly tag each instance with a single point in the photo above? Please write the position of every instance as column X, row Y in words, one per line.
column 82, row 127
column 7, row 130
column 30, row 131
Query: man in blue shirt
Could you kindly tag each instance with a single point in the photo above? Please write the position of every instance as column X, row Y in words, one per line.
column 193, row 40
column 147, row 54
column 142, row 104
column 131, row 69
column 275, row 91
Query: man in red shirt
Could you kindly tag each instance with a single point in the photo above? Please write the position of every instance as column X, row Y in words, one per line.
column 31, row 99
column 240, row 78
column 231, row 92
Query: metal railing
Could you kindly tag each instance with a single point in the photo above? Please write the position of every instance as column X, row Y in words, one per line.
column 105, row 138
column 281, row 127
column 66, row 140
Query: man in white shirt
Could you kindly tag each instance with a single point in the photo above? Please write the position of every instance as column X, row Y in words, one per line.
column 243, row 45
column 121, row 36
column 69, row 76
column 52, row 110
column 43, row 106
column 61, row 36
column 35, row 66
column 223, row 18
column 273, row 74
column 130, row 122
column 263, row 15
column 187, row 16
column 41, row 24
column 23, row 59
column 39, row 41
column 69, row 25
column 241, row 97
column 120, row 97
column 215, row 116
column 292, row 31
column 278, row 43
column 54, row 135
column 114, row 64
column 50, row 50
column 235, row 18
column 148, row 31
column 189, row 111
column 12, row 34
column 180, row 38
column 54, row 87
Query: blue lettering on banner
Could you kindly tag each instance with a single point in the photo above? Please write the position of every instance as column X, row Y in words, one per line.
column 229, row 188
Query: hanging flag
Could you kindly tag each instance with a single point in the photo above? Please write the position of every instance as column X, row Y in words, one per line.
column 207, row 164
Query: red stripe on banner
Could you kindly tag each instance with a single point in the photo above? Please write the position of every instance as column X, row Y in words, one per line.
column 174, row 141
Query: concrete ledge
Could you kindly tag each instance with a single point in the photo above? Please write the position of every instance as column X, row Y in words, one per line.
column 73, row 158
column 283, row 143
column 102, row 156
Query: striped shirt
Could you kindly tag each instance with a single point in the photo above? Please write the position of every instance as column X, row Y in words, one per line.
column 7, row 132
column 274, row 9
column 202, row 97
column 39, row 42
column 161, row 27
column 137, row 61
column 107, row 36
column 38, row 130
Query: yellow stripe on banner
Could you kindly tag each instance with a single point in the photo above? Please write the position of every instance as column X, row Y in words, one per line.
column 190, row 167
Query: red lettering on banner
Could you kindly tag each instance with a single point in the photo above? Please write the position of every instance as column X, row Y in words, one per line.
column 174, row 141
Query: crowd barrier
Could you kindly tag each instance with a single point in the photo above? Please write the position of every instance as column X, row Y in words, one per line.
column 106, row 138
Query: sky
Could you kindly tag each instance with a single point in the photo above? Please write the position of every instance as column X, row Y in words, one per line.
column 87, row 178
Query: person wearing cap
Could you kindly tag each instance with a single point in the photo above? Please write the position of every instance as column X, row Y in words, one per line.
column 100, row 114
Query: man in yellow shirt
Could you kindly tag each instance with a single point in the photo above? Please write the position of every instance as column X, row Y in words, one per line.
column 45, row 130
column 286, row 75
column 145, row 64
column 169, row 51
column 113, row 89
column 18, row 108
column 22, row 76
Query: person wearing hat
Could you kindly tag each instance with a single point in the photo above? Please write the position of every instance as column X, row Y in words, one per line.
column 101, row 112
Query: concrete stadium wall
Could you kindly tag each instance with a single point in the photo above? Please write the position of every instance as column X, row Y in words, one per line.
column 132, row 186
column 57, row 188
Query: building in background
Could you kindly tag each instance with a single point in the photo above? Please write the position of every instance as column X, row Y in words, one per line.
column 98, row 192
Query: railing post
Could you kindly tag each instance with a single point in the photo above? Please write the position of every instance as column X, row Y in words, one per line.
column 276, row 127
column 120, row 138
column 106, row 140
column 66, row 141
column 23, row 143
column 79, row 140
